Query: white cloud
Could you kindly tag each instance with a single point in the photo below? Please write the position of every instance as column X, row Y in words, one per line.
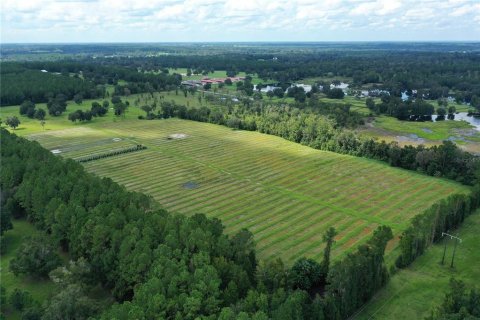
column 84, row 20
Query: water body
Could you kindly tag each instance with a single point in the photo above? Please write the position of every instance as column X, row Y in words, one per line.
column 462, row 116
column 474, row 121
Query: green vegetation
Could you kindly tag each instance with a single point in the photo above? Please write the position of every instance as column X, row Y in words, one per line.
column 286, row 194
column 460, row 302
column 412, row 293
column 40, row 289
column 330, row 216
column 440, row 130
column 426, row 133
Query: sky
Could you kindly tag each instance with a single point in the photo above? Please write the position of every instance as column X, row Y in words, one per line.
column 238, row 20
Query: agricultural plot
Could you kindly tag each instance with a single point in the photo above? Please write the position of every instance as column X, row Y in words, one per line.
column 285, row 193
column 72, row 142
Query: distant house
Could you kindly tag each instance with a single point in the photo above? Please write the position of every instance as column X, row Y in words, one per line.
column 378, row 93
column 306, row 87
column 235, row 79
column 221, row 80
column 269, row 88
column 192, row 83
column 342, row 86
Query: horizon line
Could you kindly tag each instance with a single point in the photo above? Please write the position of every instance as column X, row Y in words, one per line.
column 253, row 41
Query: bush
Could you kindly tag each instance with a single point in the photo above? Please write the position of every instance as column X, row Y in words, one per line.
column 305, row 274
column 36, row 257
column 19, row 299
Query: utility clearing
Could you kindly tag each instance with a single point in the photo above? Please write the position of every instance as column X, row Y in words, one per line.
column 285, row 193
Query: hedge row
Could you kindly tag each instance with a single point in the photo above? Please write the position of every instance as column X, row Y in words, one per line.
column 138, row 147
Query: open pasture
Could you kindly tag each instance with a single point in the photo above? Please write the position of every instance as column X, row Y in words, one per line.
column 285, row 193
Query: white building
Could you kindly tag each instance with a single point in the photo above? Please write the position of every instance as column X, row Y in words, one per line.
column 342, row 86
column 267, row 88
column 306, row 87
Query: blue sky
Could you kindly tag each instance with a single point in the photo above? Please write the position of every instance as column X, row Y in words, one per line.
column 238, row 20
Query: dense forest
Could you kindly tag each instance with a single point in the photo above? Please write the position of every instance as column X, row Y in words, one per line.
column 158, row 264
column 26, row 81
column 434, row 73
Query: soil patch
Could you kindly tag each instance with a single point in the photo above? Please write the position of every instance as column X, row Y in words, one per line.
column 177, row 136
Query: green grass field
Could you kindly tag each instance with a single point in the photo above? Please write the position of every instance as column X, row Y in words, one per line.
column 285, row 193
column 40, row 289
column 413, row 292
column 426, row 133
column 440, row 130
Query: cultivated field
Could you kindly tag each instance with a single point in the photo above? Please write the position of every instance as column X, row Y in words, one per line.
column 285, row 193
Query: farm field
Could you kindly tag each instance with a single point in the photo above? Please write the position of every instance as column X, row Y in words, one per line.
column 285, row 193
column 413, row 292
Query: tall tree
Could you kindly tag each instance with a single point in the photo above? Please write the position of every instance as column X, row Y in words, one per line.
column 329, row 239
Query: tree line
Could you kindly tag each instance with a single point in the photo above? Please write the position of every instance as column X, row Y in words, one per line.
column 25, row 81
column 427, row 227
column 37, row 86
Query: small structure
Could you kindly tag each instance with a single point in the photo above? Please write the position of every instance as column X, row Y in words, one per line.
column 191, row 83
column 221, row 80
column 306, row 87
column 342, row 86
column 269, row 88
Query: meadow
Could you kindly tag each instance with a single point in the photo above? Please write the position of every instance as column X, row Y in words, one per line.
column 285, row 193
column 413, row 292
